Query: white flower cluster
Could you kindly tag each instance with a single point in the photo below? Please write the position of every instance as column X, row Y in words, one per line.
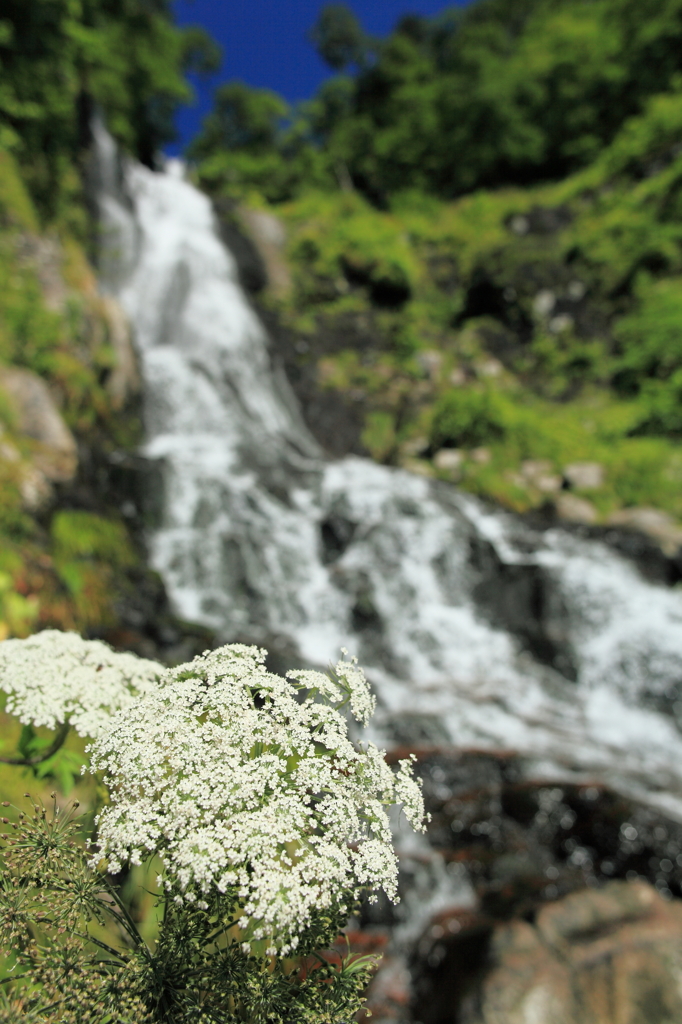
column 240, row 778
column 53, row 678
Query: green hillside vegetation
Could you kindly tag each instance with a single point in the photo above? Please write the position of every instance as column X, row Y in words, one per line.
column 532, row 320
column 61, row 565
column 544, row 323
column 57, row 565
column 66, row 554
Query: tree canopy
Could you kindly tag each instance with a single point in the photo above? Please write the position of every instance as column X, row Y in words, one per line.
column 338, row 37
column 503, row 91
column 60, row 58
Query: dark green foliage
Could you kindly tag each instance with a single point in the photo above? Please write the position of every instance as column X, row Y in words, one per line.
column 661, row 409
column 466, row 418
column 338, row 37
column 651, row 338
column 244, row 119
column 237, row 147
column 513, row 91
column 650, row 366
column 75, row 953
column 59, row 59
column 502, row 91
column 201, row 55
column 251, row 141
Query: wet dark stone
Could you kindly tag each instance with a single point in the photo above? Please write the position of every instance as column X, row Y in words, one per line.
column 488, row 295
column 335, row 419
column 450, row 973
column 594, row 957
column 251, row 269
column 383, row 292
column 543, row 220
column 364, row 615
column 444, row 272
column 418, row 729
column 136, row 484
column 484, row 298
column 501, row 342
column 525, row 842
column 337, row 533
column 651, row 561
column 522, row 599
column 389, row 294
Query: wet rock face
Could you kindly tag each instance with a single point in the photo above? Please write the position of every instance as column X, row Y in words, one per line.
column 573, row 886
column 540, row 220
column 336, row 533
column 609, row 957
column 253, row 274
column 123, row 383
column 336, row 419
column 524, row 599
column 525, row 842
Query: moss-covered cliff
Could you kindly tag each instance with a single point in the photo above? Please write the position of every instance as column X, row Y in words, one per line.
column 70, row 548
column 67, row 401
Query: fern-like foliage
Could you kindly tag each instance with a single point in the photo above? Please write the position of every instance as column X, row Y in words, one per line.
column 75, row 955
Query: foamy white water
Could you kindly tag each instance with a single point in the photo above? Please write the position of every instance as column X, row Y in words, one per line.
column 471, row 626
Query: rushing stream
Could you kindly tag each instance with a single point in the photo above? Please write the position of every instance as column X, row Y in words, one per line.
column 473, row 628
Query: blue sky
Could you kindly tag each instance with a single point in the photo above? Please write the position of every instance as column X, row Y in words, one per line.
column 264, row 43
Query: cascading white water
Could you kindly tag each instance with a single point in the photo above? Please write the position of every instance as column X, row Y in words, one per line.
column 263, row 539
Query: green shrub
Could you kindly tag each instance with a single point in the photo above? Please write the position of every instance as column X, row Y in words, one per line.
column 650, row 338
column 379, row 436
column 91, row 555
column 342, row 239
column 18, row 614
column 645, row 140
column 79, row 535
column 15, row 205
column 467, row 418
column 661, row 408
column 640, row 472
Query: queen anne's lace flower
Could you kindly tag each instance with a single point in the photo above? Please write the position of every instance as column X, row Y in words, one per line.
column 344, row 684
column 55, row 678
column 239, row 778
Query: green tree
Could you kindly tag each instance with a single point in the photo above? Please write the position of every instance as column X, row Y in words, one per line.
column 239, row 146
column 502, row 91
column 61, row 58
column 510, row 90
column 243, row 119
column 339, row 38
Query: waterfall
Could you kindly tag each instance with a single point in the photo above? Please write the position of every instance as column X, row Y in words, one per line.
column 474, row 628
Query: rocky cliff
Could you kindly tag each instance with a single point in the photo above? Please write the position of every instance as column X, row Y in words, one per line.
column 73, row 551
